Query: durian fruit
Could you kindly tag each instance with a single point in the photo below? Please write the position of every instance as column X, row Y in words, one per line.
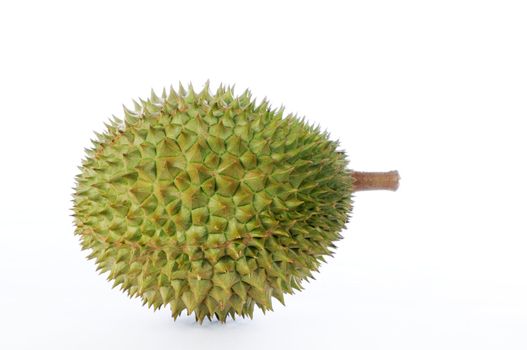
column 211, row 203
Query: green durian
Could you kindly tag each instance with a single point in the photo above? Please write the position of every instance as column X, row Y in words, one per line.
column 211, row 203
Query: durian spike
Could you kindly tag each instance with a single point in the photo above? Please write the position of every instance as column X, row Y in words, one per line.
column 366, row 181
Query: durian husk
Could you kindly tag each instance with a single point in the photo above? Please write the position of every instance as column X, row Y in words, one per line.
column 211, row 203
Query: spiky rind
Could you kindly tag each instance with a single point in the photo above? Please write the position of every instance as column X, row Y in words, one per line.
column 210, row 203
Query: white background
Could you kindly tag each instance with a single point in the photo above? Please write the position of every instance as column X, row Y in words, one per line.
column 435, row 89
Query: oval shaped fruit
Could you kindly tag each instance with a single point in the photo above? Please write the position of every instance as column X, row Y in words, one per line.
column 210, row 202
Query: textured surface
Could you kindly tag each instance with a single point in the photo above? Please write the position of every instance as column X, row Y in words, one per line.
column 210, row 202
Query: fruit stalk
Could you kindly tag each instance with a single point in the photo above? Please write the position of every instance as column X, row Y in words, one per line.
column 366, row 181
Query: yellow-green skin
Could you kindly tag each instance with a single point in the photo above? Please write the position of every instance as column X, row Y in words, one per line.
column 211, row 203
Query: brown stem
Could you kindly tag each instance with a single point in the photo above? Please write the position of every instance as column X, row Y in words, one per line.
column 365, row 181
